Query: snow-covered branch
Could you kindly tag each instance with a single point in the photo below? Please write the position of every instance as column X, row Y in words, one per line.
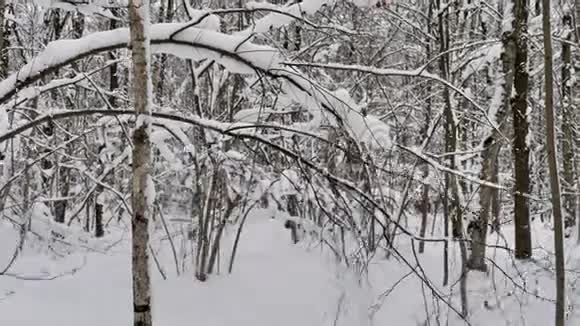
column 235, row 53
column 86, row 7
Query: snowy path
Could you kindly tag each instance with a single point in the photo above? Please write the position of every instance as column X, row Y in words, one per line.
column 274, row 283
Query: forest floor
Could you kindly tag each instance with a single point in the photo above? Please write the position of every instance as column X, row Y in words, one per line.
column 275, row 282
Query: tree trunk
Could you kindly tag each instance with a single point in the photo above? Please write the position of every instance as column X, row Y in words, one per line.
column 113, row 86
column 99, row 228
column 576, row 101
column 3, row 52
column 519, row 102
column 488, row 197
column 204, row 230
column 553, row 166
column 577, row 9
column 230, row 205
column 568, row 122
column 113, row 78
column 425, row 203
column 166, row 16
column 64, row 184
column 495, row 200
column 451, row 195
column 424, row 209
column 478, row 228
column 141, row 165
column 451, row 183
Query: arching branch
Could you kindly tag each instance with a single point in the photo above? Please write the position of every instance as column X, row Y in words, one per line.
column 233, row 52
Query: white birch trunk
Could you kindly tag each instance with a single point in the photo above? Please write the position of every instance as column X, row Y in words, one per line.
column 141, row 165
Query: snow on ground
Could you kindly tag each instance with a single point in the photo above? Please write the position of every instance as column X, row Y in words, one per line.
column 510, row 293
column 274, row 283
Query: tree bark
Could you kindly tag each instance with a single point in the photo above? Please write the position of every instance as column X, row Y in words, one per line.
column 478, row 228
column 568, row 123
column 3, row 52
column 521, row 152
column 141, row 165
column 451, row 183
column 453, row 214
column 425, row 203
column 99, row 227
column 60, row 206
column 167, row 17
column 488, row 197
column 576, row 101
column 553, row 166
column 113, row 78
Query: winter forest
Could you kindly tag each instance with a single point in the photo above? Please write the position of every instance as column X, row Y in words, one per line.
column 289, row 162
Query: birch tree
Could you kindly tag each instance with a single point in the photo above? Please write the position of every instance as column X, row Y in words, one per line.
column 141, row 166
